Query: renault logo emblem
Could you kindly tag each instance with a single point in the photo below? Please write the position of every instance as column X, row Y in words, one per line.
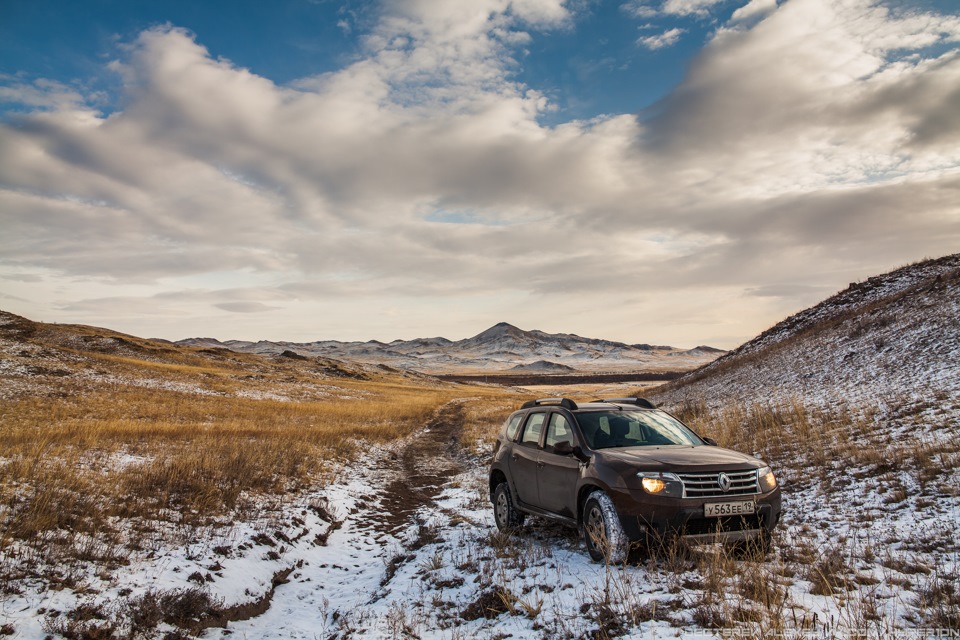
column 724, row 481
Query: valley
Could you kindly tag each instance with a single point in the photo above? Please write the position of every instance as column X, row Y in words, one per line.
column 159, row 490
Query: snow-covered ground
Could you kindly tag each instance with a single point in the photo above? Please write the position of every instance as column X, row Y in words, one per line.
column 328, row 567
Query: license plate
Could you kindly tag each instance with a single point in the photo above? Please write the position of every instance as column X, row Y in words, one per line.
column 740, row 508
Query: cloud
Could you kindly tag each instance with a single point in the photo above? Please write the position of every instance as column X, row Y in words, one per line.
column 41, row 94
column 24, row 277
column 640, row 9
column 646, row 9
column 659, row 41
column 753, row 11
column 689, row 7
column 803, row 98
column 245, row 307
column 819, row 139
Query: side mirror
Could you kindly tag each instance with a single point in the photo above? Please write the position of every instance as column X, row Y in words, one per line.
column 711, row 442
column 563, row 448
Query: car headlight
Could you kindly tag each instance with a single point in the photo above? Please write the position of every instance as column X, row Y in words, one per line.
column 661, row 483
column 768, row 481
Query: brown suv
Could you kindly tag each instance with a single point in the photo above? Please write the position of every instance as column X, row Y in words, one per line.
column 623, row 471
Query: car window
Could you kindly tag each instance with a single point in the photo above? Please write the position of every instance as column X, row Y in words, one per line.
column 558, row 430
column 513, row 426
column 633, row 429
column 531, row 433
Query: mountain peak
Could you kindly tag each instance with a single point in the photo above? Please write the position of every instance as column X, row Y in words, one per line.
column 498, row 330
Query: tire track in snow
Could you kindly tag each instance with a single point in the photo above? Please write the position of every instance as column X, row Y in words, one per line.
column 381, row 506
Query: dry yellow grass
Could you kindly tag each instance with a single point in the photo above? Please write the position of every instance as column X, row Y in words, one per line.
column 138, row 452
column 483, row 419
column 117, row 435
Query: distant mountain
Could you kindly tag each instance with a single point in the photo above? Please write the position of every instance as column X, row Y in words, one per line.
column 501, row 347
column 543, row 366
column 890, row 343
column 652, row 347
column 702, row 350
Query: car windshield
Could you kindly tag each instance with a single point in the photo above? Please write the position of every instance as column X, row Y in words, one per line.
column 606, row 429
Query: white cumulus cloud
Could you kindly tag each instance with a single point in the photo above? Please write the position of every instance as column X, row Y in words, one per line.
column 661, row 40
column 689, row 7
column 754, row 10
column 821, row 138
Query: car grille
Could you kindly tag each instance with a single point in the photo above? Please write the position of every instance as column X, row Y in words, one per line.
column 707, row 485
column 707, row 526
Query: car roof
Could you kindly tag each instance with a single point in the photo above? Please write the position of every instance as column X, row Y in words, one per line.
column 609, row 404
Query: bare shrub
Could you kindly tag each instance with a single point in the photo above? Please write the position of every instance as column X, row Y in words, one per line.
column 938, row 601
column 828, row 574
column 85, row 622
column 488, row 604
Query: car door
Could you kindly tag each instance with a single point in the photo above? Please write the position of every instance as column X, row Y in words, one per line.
column 558, row 475
column 524, row 459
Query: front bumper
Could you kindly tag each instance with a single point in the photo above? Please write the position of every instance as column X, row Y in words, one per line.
column 644, row 516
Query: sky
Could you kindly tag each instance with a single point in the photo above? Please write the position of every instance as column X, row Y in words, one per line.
column 675, row 172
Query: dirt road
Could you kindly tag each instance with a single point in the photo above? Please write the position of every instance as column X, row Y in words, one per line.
column 385, row 514
column 419, row 471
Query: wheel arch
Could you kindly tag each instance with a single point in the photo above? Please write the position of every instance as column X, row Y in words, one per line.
column 497, row 476
column 583, row 493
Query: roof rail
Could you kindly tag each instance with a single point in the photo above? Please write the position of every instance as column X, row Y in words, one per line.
column 640, row 402
column 566, row 403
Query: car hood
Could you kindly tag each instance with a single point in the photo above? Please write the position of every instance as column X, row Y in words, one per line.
column 681, row 458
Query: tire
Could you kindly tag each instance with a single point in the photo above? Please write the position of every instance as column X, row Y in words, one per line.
column 504, row 513
column 604, row 535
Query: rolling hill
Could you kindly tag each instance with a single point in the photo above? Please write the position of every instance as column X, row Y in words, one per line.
column 888, row 346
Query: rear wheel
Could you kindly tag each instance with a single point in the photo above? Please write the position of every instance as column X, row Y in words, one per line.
column 604, row 535
column 504, row 513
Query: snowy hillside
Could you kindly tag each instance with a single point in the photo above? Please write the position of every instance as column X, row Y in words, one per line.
column 889, row 344
column 501, row 347
column 856, row 403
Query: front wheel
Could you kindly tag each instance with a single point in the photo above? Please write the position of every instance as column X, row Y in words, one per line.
column 504, row 513
column 604, row 535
